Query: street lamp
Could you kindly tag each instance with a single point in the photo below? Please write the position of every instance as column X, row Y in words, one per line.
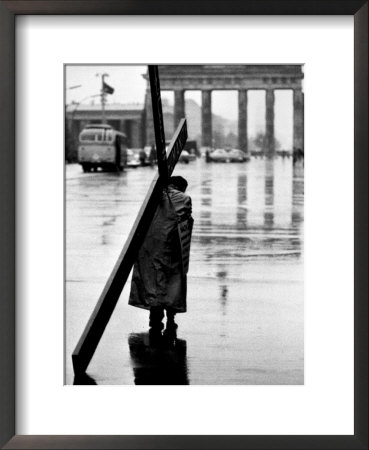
column 74, row 87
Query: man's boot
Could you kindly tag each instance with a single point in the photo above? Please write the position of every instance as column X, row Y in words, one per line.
column 170, row 332
column 155, row 323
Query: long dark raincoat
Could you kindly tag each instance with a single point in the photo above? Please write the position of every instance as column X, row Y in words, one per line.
column 160, row 272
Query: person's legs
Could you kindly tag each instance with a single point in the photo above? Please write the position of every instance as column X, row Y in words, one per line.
column 156, row 317
column 171, row 325
column 170, row 332
column 156, row 325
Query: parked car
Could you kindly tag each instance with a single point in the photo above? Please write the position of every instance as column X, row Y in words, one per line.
column 219, row 155
column 142, row 157
column 184, row 157
column 191, row 156
column 132, row 159
column 191, row 147
column 236, row 155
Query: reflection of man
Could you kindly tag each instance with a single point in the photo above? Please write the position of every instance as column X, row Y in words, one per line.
column 157, row 366
column 159, row 280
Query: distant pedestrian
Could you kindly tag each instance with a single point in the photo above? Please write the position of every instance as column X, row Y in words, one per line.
column 298, row 155
column 207, row 155
column 159, row 280
column 152, row 155
column 142, row 157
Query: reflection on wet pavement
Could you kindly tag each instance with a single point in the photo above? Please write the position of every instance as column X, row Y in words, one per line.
column 245, row 321
column 162, row 363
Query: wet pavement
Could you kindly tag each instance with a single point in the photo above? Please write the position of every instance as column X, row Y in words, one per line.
column 245, row 322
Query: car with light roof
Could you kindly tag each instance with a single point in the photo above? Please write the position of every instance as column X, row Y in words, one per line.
column 132, row 158
column 219, row 155
column 236, row 155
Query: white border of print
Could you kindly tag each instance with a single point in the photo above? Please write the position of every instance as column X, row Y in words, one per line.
column 324, row 405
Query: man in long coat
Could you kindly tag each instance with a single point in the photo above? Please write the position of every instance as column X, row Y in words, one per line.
column 159, row 280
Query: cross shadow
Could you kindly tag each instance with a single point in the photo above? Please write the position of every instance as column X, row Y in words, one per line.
column 84, row 379
column 162, row 362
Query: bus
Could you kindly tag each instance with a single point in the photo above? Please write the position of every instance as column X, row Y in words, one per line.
column 102, row 146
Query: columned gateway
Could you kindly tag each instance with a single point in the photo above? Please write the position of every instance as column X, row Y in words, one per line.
column 298, row 119
column 269, row 122
column 206, row 119
column 207, row 78
column 242, row 120
column 179, row 106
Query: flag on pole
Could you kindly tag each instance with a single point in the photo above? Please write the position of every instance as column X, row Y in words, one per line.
column 107, row 89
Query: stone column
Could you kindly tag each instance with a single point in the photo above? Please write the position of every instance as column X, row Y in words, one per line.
column 179, row 107
column 206, row 119
column 69, row 123
column 149, row 121
column 269, row 122
column 128, row 132
column 122, row 125
column 70, row 153
column 298, row 119
column 242, row 120
column 135, row 134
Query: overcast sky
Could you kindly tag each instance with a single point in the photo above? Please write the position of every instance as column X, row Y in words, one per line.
column 129, row 86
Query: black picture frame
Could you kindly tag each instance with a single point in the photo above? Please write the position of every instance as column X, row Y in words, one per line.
column 8, row 12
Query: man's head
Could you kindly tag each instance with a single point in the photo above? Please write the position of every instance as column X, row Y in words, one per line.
column 179, row 182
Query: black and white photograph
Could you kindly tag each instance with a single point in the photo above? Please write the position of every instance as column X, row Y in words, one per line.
column 184, row 224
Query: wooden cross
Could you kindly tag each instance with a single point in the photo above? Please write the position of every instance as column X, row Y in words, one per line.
column 167, row 159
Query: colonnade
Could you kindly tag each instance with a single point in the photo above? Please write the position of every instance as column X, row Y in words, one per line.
column 206, row 115
column 207, row 78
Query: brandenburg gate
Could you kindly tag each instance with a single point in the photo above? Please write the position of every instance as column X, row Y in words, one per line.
column 207, row 78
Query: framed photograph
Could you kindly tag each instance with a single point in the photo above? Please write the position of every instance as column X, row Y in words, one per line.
column 272, row 350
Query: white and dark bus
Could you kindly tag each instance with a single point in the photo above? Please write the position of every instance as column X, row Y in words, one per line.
column 102, row 146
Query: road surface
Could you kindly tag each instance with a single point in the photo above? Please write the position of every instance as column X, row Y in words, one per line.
column 245, row 319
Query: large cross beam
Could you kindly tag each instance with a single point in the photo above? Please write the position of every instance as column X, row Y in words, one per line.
column 167, row 159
